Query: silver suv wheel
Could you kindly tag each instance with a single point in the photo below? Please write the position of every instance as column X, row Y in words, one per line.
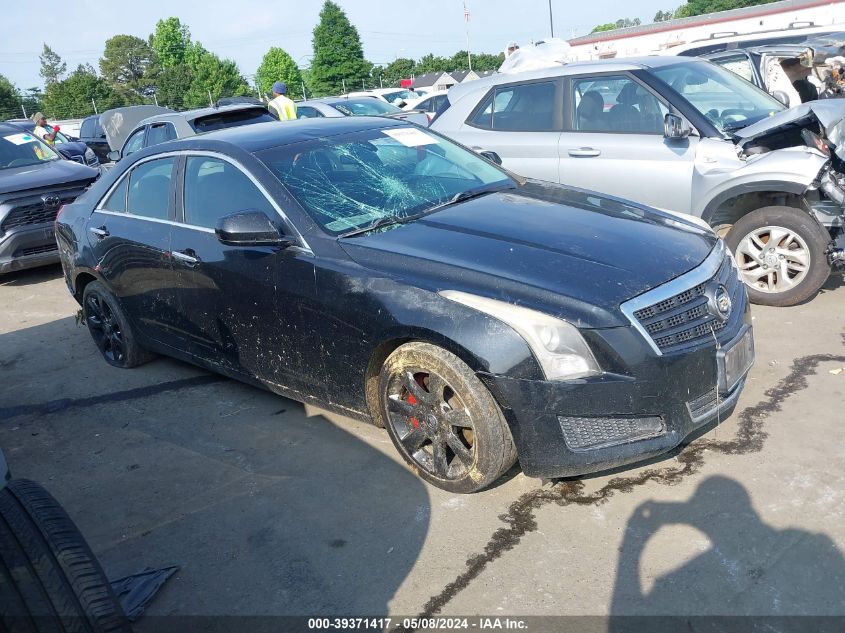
column 773, row 259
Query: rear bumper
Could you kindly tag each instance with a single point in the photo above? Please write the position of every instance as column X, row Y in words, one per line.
column 563, row 429
column 28, row 247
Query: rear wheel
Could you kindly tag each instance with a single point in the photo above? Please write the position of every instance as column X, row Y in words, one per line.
column 110, row 329
column 781, row 255
column 49, row 578
column 443, row 420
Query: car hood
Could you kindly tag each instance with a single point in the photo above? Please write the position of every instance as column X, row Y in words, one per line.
column 119, row 122
column 570, row 252
column 48, row 174
column 827, row 112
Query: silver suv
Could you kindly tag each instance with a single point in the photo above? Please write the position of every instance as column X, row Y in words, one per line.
column 682, row 135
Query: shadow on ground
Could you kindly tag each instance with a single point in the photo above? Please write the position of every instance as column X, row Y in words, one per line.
column 735, row 565
column 267, row 509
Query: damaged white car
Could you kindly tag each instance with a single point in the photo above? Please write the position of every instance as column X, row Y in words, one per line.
column 682, row 135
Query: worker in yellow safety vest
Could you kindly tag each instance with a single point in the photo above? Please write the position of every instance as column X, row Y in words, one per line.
column 281, row 106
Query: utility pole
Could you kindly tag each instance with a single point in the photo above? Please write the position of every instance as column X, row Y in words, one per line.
column 94, row 103
column 155, row 98
column 210, row 100
column 466, row 30
column 343, row 83
column 304, row 96
column 24, row 111
column 551, row 21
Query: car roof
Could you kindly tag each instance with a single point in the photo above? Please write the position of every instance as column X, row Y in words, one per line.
column 9, row 127
column 192, row 115
column 573, row 68
column 259, row 136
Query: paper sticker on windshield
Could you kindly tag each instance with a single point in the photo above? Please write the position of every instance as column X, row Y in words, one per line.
column 411, row 137
column 20, row 139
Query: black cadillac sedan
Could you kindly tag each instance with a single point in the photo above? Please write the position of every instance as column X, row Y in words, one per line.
column 382, row 271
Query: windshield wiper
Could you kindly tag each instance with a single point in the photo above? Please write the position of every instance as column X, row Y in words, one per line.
column 463, row 196
column 382, row 222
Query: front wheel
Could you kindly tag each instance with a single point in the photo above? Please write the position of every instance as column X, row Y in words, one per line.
column 780, row 252
column 443, row 420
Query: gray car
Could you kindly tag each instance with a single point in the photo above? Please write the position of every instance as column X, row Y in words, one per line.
column 333, row 107
column 682, row 135
column 126, row 136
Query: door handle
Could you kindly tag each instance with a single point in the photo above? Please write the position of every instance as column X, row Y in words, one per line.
column 584, row 152
column 188, row 256
column 100, row 232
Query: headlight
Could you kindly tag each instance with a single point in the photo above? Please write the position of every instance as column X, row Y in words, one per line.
column 90, row 156
column 558, row 346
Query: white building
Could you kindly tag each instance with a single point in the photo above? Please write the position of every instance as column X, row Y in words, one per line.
column 788, row 19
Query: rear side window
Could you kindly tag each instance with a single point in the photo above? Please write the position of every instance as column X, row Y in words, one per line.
column 99, row 132
column 117, row 200
column 87, row 129
column 159, row 133
column 520, row 108
column 223, row 120
column 215, row 188
column 149, row 189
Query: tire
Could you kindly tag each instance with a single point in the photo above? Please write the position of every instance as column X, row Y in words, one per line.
column 110, row 328
column 49, row 578
column 443, row 420
column 780, row 277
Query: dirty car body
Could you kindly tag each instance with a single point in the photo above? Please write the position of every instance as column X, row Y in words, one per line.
column 604, row 331
column 673, row 133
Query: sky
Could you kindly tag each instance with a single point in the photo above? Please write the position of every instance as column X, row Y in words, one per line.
column 243, row 30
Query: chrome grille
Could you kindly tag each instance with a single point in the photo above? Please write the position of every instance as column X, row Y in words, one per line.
column 685, row 318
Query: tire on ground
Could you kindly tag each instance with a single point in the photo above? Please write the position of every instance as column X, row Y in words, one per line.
column 135, row 354
column 802, row 223
column 49, row 578
column 495, row 450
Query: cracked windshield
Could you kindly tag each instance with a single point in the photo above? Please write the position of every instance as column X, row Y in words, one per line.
column 353, row 181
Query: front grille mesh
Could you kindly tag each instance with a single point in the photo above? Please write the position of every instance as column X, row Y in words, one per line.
column 582, row 433
column 30, row 214
column 686, row 319
column 36, row 250
column 704, row 404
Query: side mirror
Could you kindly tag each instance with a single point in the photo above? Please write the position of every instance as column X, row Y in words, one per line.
column 675, row 127
column 493, row 157
column 781, row 96
column 113, row 155
column 250, row 228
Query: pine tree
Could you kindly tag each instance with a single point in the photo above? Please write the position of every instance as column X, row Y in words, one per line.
column 338, row 54
column 52, row 66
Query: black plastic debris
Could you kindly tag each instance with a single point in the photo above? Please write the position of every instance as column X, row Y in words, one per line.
column 136, row 591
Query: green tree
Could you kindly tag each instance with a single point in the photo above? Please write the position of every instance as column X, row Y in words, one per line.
column 52, row 66
column 700, row 7
column 619, row 24
column 33, row 100
column 277, row 65
column 172, row 84
column 338, row 54
column 129, row 62
column 663, row 16
column 10, row 103
column 486, row 61
column 72, row 97
column 432, row 64
column 170, row 42
column 398, row 69
column 215, row 77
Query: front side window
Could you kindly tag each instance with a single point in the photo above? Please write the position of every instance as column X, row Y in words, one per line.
column 215, row 188
column 117, row 200
column 307, row 112
column 149, row 189
column 159, row 133
column 615, row 103
column 520, row 108
column 727, row 100
column 349, row 181
column 134, row 142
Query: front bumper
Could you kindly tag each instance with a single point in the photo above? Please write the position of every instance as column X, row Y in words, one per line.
column 563, row 429
column 28, row 247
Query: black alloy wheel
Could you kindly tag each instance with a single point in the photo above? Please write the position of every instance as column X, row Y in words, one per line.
column 110, row 328
column 442, row 419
